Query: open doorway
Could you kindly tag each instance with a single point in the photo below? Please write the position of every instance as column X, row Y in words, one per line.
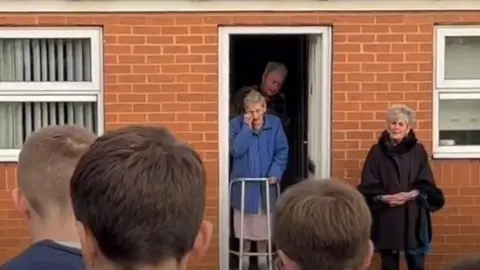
column 248, row 56
column 244, row 52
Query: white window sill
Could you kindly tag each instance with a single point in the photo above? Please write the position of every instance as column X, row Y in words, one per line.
column 450, row 155
column 9, row 155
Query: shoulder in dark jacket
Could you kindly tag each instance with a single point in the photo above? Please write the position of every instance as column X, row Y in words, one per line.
column 47, row 255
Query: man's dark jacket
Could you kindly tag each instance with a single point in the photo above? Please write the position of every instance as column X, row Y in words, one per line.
column 46, row 255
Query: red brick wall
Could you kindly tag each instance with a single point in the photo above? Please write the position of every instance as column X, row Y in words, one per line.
column 162, row 69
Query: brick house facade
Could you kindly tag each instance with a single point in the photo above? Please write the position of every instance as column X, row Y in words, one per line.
column 162, row 69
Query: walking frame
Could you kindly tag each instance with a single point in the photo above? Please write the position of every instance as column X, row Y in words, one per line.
column 241, row 252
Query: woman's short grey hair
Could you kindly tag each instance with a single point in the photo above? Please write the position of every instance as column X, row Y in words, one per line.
column 254, row 97
column 401, row 113
column 277, row 67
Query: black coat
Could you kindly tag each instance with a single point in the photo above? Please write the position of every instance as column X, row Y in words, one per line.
column 389, row 169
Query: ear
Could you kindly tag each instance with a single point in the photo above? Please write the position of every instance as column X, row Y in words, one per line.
column 90, row 249
column 369, row 256
column 287, row 263
column 20, row 202
column 202, row 242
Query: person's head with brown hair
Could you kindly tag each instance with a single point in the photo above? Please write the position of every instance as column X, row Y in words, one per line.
column 45, row 165
column 139, row 198
column 469, row 263
column 322, row 223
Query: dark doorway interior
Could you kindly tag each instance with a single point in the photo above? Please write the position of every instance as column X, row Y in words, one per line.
column 248, row 56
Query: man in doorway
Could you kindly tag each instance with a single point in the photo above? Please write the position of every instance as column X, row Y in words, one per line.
column 272, row 81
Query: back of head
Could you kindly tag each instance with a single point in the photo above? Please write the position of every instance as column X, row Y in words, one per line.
column 140, row 195
column 470, row 263
column 323, row 223
column 46, row 163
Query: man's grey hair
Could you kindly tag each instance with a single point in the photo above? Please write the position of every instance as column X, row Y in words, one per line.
column 254, row 97
column 401, row 113
column 277, row 67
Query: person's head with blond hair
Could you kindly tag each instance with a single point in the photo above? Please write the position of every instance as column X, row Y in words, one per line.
column 322, row 224
column 400, row 121
column 46, row 163
column 468, row 263
column 255, row 107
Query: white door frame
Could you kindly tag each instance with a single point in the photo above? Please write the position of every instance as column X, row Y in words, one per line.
column 224, row 34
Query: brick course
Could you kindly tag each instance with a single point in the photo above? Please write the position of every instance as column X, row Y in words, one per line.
column 162, row 69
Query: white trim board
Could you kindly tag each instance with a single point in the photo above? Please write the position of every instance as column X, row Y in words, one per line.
column 445, row 89
column 150, row 6
column 224, row 34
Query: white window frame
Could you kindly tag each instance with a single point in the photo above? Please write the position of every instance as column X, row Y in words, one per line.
column 57, row 91
column 451, row 90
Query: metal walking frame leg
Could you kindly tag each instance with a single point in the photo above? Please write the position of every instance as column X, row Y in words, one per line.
column 241, row 252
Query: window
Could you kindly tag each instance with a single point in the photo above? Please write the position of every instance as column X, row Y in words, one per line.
column 456, row 119
column 48, row 76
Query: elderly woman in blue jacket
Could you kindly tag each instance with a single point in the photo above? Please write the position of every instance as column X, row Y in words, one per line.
column 259, row 149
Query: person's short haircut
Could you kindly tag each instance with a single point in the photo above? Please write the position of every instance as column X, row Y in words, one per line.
column 323, row 223
column 469, row 263
column 254, row 97
column 141, row 193
column 401, row 112
column 275, row 66
column 46, row 163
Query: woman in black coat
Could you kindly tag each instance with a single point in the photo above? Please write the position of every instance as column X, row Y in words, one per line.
column 398, row 184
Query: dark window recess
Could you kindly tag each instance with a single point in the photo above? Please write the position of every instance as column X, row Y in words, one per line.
column 462, row 137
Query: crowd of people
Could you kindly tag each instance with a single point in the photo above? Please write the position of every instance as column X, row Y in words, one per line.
column 135, row 198
column 397, row 184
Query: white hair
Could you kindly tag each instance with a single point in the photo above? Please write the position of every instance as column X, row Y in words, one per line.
column 401, row 113
column 277, row 67
column 254, row 97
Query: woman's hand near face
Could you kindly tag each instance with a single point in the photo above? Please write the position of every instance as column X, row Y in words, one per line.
column 247, row 119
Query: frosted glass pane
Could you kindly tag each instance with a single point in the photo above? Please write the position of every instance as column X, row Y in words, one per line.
column 42, row 60
column 462, row 58
column 19, row 119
